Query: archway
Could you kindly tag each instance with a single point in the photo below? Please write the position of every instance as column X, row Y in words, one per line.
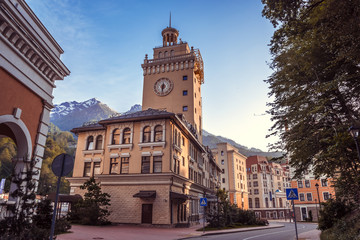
column 16, row 130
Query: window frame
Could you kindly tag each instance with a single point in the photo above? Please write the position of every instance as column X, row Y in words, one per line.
column 145, row 160
column 158, row 134
column 146, row 134
column 126, row 137
column 85, row 168
column 115, row 136
column 99, row 143
column 114, row 162
column 156, row 160
column 94, row 167
column 90, row 143
column 122, row 163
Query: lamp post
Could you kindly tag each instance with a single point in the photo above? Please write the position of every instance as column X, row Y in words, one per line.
column 317, row 190
column 354, row 132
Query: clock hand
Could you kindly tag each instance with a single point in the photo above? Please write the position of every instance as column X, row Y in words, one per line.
column 162, row 87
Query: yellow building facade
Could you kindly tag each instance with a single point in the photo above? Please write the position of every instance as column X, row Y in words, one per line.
column 152, row 162
column 233, row 173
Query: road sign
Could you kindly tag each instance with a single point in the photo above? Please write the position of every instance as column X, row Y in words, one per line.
column 2, row 185
column 203, row 202
column 62, row 165
column 292, row 194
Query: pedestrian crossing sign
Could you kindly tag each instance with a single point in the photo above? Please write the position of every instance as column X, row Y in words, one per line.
column 292, row 194
column 203, row 202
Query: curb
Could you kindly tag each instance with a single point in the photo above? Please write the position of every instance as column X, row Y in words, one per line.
column 232, row 231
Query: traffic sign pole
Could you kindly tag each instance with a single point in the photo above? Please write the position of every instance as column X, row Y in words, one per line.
column 297, row 238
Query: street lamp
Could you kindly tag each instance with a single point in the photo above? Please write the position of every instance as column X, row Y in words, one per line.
column 317, row 190
column 354, row 132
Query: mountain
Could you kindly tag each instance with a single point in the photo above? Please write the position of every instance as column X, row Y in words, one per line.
column 68, row 115
column 211, row 141
column 73, row 114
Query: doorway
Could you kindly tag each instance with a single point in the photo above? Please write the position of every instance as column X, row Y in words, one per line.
column 146, row 214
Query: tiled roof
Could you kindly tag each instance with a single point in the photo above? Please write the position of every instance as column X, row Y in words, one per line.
column 146, row 113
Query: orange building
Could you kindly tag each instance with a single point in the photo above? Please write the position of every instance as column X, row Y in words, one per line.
column 309, row 196
column 29, row 66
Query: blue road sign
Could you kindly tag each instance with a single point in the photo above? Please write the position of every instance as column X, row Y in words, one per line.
column 2, row 184
column 203, row 202
column 292, row 194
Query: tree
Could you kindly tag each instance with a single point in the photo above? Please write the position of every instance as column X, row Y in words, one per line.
column 315, row 84
column 93, row 210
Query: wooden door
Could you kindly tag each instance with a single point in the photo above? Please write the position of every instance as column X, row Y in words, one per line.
column 146, row 215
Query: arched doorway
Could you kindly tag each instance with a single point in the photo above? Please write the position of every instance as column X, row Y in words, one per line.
column 15, row 129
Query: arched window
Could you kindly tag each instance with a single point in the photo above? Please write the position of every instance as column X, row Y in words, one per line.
column 257, row 203
column 158, row 133
column 116, row 137
column 90, row 143
column 250, row 203
column 165, row 53
column 160, row 54
column 147, row 134
column 172, row 53
column 99, row 141
column 126, row 136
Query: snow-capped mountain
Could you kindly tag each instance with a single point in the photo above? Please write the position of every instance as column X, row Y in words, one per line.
column 69, row 115
column 67, row 108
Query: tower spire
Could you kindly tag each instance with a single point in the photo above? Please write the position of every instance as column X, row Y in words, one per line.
column 170, row 20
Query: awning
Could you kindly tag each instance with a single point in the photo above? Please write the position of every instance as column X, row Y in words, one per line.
column 145, row 194
column 178, row 197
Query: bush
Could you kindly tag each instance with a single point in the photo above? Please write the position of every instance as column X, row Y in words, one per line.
column 343, row 230
column 332, row 211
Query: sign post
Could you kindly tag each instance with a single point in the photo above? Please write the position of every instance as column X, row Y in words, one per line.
column 203, row 203
column 2, row 185
column 61, row 166
column 292, row 194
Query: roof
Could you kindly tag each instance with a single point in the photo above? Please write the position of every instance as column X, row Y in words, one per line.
column 149, row 113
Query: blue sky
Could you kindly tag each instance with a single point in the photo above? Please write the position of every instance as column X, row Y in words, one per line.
column 105, row 43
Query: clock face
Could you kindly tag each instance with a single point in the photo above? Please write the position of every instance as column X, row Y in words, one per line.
column 163, row 86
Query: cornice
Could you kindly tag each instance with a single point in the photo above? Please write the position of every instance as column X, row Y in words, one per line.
column 30, row 49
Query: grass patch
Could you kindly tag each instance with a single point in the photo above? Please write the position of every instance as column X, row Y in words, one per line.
column 228, row 227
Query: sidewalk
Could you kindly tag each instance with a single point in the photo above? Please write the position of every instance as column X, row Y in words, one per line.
column 311, row 235
column 138, row 232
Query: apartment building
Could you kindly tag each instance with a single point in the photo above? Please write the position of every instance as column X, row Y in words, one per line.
column 233, row 173
column 267, row 182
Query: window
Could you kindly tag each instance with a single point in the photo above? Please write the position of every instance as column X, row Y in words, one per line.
column 223, row 171
column 185, row 108
column 90, row 143
column 114, row 165
column 250, row 203
column 324, row 183
column 222, row 162
column 222, row 153
column 280, row 203
column 254, row 176
column 256, row 191
column 172, row 53
column 183, row 141
column 309, row 197
column 223, row 180
column 99, row 141
column 257, row 203
column 302, row 197
column 249, row 183
column 87, row 168
column 160, row 55
column 157, row 164
column 256, row 184
column 185, row 93
column 116, row 137
column 266, row 202
column 183, row 161
column 126, row 136
column 96, row 169
column 146, row 134
column 124, row 165
column 158, row 133
column 300, row 184
column 165, row 53
column 307, row 183
column 145, row 164
column 326, row 196
column 185, row 78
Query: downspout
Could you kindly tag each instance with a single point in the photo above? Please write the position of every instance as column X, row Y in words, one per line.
column 172, row 178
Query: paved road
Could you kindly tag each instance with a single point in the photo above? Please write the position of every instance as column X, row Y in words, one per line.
column 285, row 233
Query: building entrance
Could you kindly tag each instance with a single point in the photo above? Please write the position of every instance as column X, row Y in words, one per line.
column 146, row 214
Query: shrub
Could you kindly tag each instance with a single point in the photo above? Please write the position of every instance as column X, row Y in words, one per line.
column 332, row 211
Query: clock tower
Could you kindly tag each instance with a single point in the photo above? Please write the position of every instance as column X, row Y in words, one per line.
column 173, row 78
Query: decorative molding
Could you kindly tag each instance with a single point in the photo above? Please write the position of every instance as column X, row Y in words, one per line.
column 152, row 144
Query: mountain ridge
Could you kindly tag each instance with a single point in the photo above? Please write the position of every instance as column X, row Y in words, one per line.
column 69, row 115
